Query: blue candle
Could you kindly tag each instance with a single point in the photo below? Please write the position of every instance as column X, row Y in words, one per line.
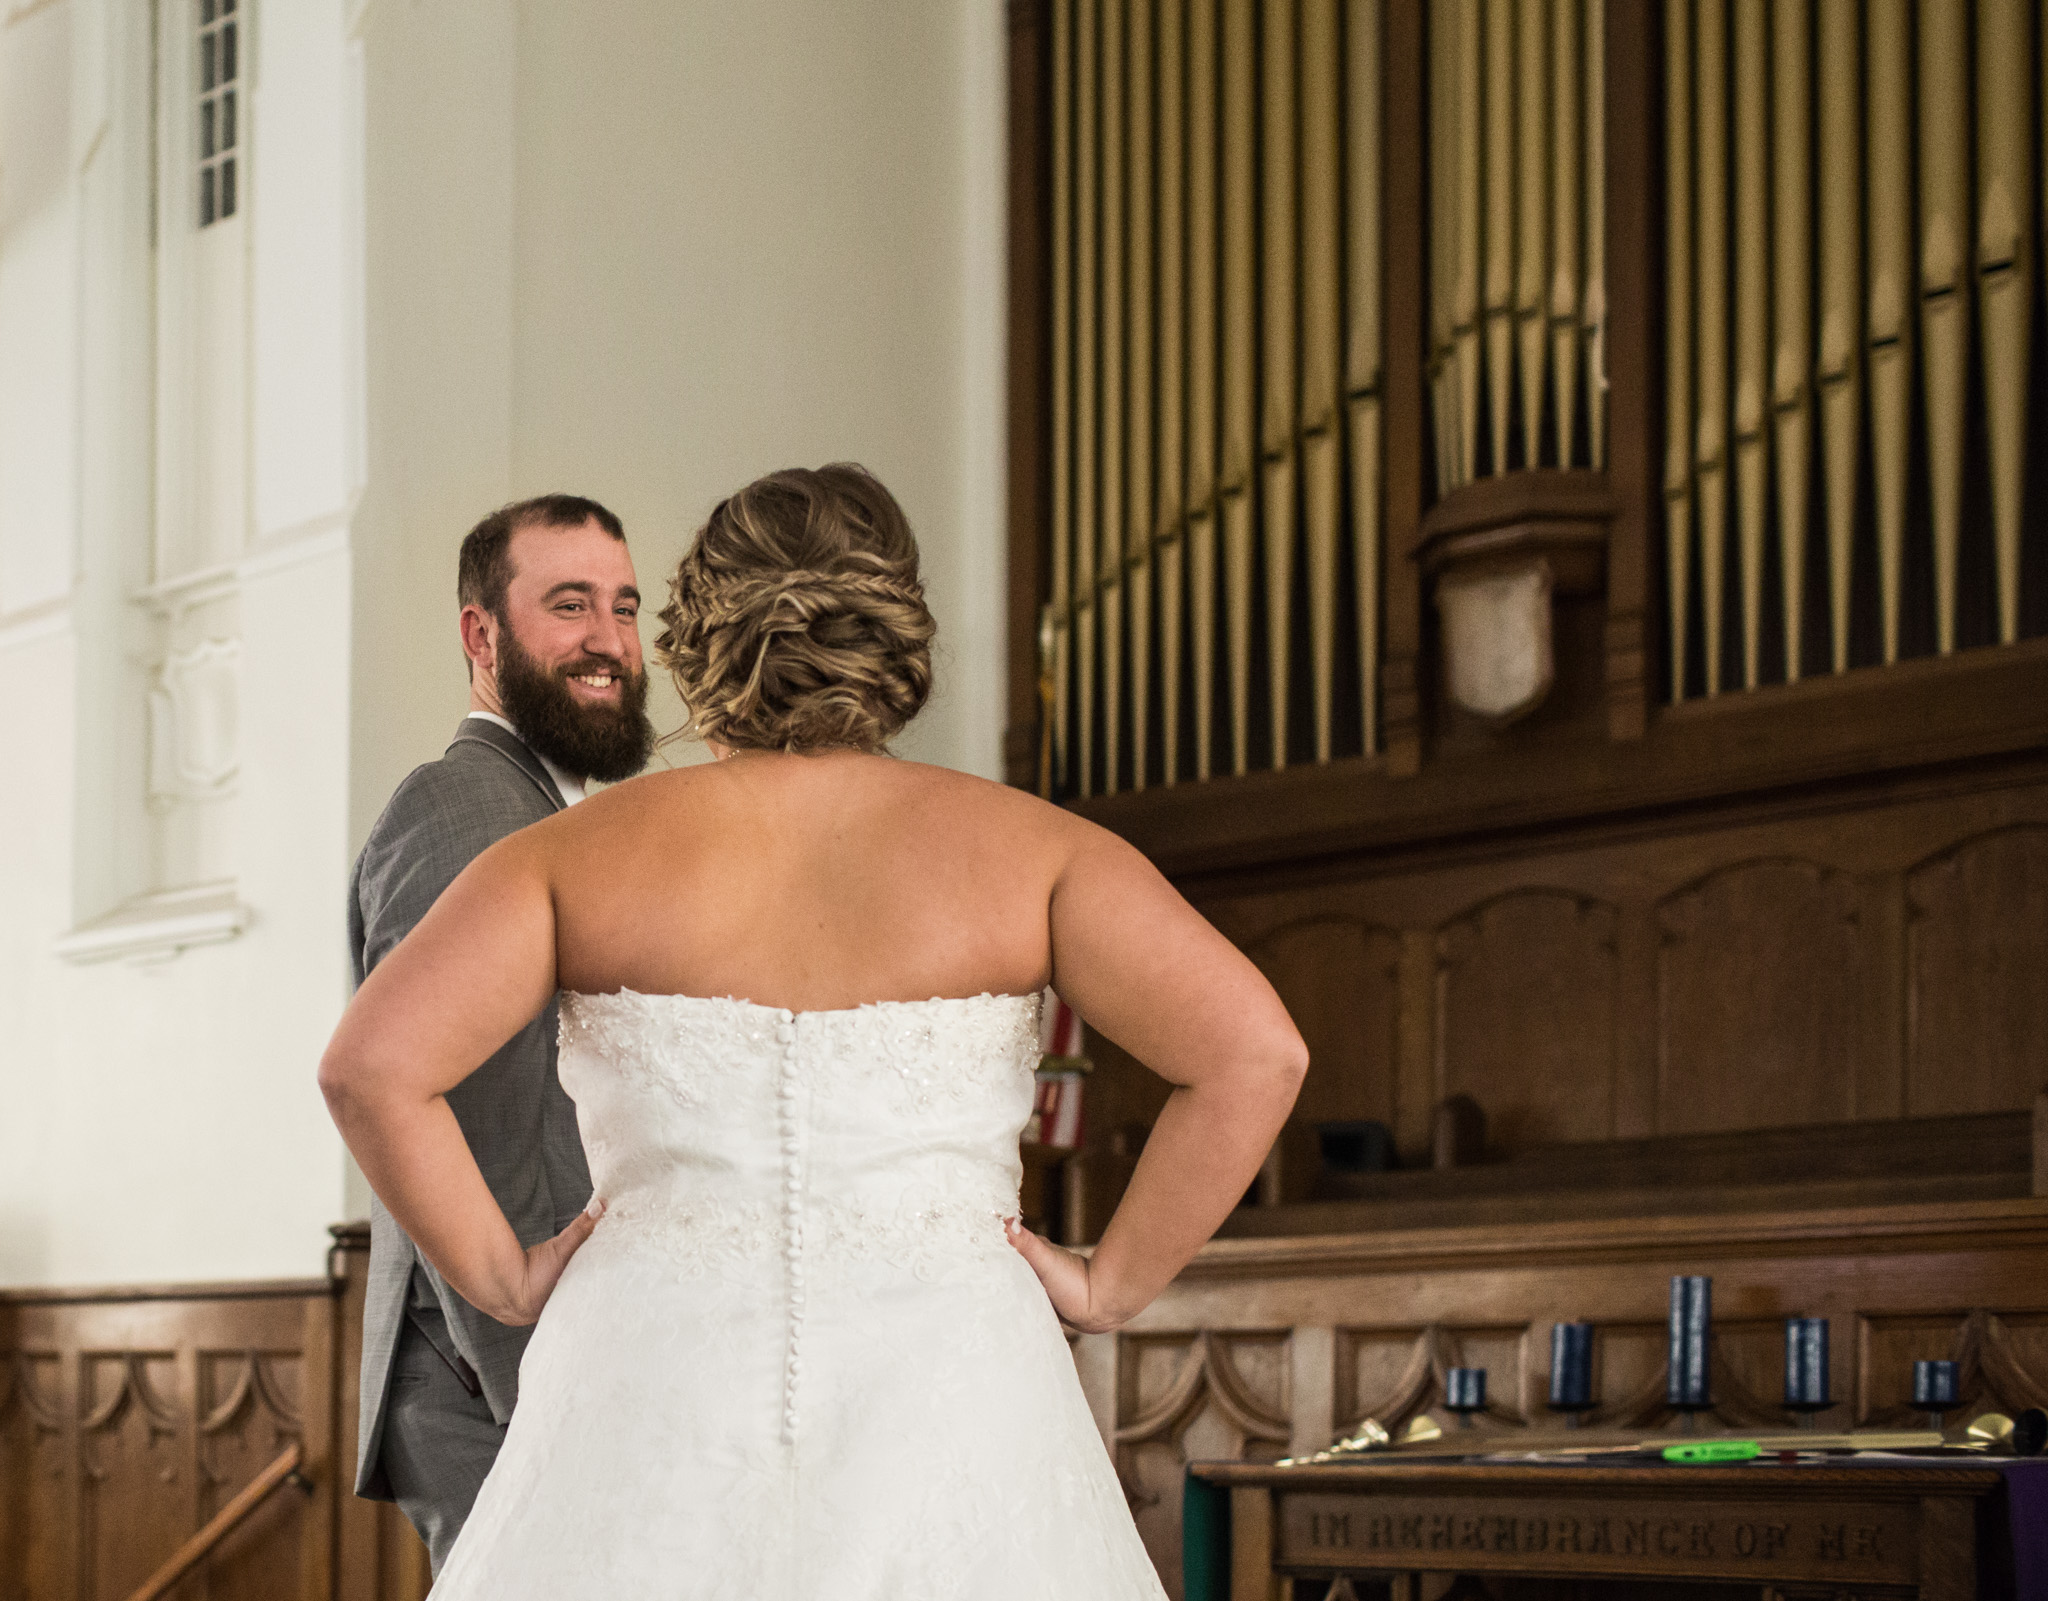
column 1806, row 1363
column 1571, row 1367
column 1465, row 1389
column 1934, row 1386
column 1687, row 1386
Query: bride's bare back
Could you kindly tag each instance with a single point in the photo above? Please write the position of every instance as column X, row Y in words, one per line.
column 809, row 882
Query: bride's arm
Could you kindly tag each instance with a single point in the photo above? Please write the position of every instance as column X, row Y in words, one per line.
column 475, row 971
column 1143, row 968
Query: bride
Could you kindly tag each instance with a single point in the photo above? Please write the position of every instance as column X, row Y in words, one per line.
column 799, row 1346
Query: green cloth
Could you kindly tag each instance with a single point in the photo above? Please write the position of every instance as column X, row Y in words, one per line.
column 1204, row 1541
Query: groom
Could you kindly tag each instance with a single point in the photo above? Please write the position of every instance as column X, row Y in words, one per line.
column 557, row 696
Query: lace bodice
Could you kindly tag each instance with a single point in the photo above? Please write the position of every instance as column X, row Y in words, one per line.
column 724, row 1134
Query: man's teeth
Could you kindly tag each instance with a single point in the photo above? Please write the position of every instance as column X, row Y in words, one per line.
column 594, row 680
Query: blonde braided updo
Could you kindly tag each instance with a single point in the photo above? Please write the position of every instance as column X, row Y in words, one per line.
column 796, row 621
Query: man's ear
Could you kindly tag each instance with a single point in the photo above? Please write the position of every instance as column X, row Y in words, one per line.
column 479, row 639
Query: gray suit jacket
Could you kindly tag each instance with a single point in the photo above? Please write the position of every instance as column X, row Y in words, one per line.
column 520, row 1125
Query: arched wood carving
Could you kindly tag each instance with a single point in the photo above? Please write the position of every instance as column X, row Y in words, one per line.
column 1759, row 968
column 1208, row 1409
column 1525, row 1015
column 1977, row 975
column 1206, row 1373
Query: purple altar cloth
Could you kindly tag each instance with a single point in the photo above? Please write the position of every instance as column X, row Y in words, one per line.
column 2026, row 1494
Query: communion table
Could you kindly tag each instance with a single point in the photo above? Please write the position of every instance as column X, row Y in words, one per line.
column 1935, row 1528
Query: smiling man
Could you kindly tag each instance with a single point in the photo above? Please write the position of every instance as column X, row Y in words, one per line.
column 557, row 698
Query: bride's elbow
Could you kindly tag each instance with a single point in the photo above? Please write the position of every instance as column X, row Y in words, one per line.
column 340, row 1081
column 1290, row 1065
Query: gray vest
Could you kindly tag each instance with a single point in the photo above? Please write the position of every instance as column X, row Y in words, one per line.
column 520, row 1125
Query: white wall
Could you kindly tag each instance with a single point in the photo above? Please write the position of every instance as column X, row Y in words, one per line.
column 495, row 249
column 160, row 1118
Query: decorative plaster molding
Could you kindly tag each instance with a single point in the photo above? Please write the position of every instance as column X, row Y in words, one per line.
column 30, row 625
column 157, row 926
column 194, row 752
column 307, row 541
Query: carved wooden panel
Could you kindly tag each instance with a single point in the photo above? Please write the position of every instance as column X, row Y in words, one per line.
column 1339, row 978
column 1758, row 973
column 33, row 1481
column 1525, row 1003
column 128, row 1419
column 1198, row 1398
column 1977, row 974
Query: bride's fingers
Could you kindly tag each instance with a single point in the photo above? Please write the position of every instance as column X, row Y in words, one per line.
column 551, row 1256
column 1064, row 1275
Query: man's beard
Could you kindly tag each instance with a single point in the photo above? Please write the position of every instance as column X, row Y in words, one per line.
column 607, row 743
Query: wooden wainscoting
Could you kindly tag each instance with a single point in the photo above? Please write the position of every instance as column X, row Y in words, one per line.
column 1265, row 1348
column 130, row 1416
column 1859, row 954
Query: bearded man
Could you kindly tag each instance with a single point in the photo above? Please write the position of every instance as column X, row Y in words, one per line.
column 557, row 698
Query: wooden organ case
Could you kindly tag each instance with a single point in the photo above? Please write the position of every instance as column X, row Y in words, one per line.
column 1529, row 511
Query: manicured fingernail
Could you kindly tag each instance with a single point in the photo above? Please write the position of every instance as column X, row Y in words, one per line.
column 1012, row 1227
column 595, row 1209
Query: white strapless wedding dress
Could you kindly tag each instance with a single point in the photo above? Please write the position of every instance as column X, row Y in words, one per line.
column 798, row 1358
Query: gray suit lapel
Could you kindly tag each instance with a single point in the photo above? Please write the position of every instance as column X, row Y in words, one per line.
column 482, row 731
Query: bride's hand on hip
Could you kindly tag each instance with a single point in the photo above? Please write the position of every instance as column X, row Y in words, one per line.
column 1068, row 1282
column 544, row 1264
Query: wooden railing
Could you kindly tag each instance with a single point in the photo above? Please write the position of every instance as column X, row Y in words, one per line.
column 282, row 1471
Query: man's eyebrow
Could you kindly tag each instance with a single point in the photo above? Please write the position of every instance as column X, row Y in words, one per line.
column 583, row 586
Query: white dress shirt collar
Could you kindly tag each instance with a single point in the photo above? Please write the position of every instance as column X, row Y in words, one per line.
column 570, row 786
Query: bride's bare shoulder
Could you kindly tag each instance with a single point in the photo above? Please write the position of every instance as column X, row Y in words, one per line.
column 991, row 804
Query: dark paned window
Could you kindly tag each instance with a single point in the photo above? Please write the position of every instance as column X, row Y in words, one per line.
column 219, row 67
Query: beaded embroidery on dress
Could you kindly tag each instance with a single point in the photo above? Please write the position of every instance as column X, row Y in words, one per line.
column 798, row 1358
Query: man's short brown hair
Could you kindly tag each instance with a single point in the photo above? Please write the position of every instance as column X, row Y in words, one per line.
column 484, row 571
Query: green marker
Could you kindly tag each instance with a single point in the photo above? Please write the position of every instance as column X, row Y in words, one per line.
column 1714, row 1451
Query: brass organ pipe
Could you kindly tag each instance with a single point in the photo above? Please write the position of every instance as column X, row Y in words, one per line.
column 1240, row 376
column 1110, row 556
column 1678, row 315
column 1281, row 377
column 1086, row 334
column 1944, row 289
column 1204, row 494
column 1533, row 158
column 1322, row 348
column 1564, row 222
column 1710, row 450
column 1840, row 371
column 1443, row 238
column 1499, row 252
column 1138, row 530
column 1471, row 231
column 1889, row 330
column 1791, row 322
column 1752, row 316
column 1593, row 305
column 1062, row 370
column 1362, row 365
column 2005, row 289
column 1170, row 522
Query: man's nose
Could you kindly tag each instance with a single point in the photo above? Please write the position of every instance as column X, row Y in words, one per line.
column 610, row 635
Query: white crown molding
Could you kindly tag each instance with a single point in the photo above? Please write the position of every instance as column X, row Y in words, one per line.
column 30, row 624
column 157, row 926
column 307, row 541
